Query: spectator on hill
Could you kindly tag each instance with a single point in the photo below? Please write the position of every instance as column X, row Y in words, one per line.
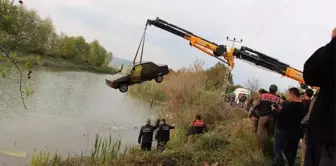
column 249, row 104
column 145, row 138
column 265, row 113
column 163, row 135
column 287, row 128
column 253, row 112
column 306, row 98
column 232, row 99
column 304, row 123
column 319, row 71
column 271, row 128
column 242, row 101
column 282, row 99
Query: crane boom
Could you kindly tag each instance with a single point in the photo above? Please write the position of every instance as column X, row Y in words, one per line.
column 244, row 53
column 260, row 59
column 200, row 43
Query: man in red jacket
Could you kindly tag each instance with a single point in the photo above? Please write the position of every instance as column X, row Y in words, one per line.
column 264, row 112
column 197, row 127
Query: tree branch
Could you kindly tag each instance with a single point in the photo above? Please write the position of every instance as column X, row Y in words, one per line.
column 20, row 72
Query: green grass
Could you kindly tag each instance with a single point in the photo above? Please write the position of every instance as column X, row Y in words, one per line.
column 105, row 151
column 65, row 64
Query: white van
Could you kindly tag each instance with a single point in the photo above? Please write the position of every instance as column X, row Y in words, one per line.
column 241, row 91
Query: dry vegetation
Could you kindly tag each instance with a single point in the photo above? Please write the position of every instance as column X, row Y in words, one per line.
column 229, row 141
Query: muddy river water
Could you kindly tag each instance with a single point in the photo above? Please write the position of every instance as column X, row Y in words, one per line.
column 64, row 112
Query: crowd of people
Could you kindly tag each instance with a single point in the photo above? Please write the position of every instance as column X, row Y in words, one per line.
column 301, row 116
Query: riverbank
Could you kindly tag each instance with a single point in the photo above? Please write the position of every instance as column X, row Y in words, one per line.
column 57, row 62
column 182, row 94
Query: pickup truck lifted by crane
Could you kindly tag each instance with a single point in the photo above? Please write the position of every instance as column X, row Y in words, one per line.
column 217, row 51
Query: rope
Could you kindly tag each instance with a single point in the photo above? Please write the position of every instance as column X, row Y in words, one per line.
column 136, row 54
column 141, row 44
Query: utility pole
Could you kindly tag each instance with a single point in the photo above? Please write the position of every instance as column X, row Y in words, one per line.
column 228, row 70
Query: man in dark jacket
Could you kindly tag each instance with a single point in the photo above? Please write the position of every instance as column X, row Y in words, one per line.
column 242, row 101
column 319, row 71
column 145, row 138
column 163, row 135
column 232, row 97
column 304, row 123
column 287, row 128
column 306, row 98
column 264, row 112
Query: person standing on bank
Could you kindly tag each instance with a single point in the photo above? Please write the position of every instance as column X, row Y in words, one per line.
column 319, row 71
column 287, row 128
column 163, row 135
column 254, row 114
column 265, row 114
column 145, row 138
column 304, row 123
column 197, row 127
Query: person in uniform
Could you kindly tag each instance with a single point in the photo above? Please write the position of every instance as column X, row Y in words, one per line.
column 197, row 127
column 145, row 138
column 163, row 135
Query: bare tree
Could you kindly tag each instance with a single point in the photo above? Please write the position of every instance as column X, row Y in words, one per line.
column 253, row 84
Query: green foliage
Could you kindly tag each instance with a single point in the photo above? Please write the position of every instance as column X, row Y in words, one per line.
column 24, row 30
column 215, row 76
column 210, row 142
column 105, row 151
column 28, row 92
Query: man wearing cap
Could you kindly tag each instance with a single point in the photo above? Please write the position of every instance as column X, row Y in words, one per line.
column 145, row 138
column 264, row 112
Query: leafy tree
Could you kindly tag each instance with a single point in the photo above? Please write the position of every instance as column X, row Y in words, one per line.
column 22, row 30
column 25, row 31
column 215, row 76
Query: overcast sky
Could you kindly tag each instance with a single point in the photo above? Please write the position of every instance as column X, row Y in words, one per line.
column 290, row 34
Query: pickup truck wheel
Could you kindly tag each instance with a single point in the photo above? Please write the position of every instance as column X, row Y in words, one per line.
column 159, row 79
column 123, row 87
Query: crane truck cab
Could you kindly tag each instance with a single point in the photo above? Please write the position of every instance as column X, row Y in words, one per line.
column 239, row 92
